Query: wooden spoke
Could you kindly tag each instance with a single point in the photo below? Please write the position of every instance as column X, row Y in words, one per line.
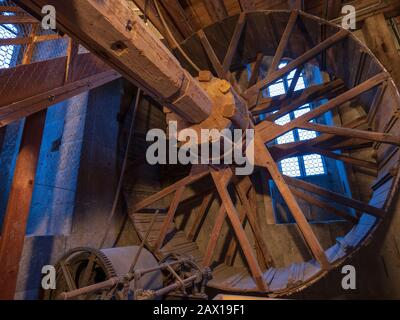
column 283, row 42
column 237, row 33
column 323, row 205
column 264, row 159
column 211, row 55
column 212, row 243
column 341, row 157
column 169, row 217
column 166, row 191
column 352, row 203
column 339, row 36
column 88, row 270
column 252, row 217
column 283, row 104
column 219, row 180
column 255, row 72
column 67, row 276
column 353, row 133
column 200, row 215
column 294, row 82
column 375, row 103
column 270, row 131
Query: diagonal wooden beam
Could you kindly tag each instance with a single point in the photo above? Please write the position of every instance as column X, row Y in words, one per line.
column 283, row 104
column 265, row 160
column 219, row 178
column 26, row 40
column 252, row 217
column 215, row 233
column 21, row 97
column 111, row 30
column 166, row 191
column 169, row 217
column 323, row 205
column 310, row 54
column 270, row 130
column 353, row 133
column 334, row 196
column 283, row 42
column 233, row 45
column 211, row 55
column 255, row 72
column 24, row 19
column 200, row 215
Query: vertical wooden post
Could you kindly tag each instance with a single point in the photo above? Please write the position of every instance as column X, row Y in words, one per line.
column 19, row 203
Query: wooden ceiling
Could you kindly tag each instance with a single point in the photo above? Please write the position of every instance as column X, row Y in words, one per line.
column 178, row 19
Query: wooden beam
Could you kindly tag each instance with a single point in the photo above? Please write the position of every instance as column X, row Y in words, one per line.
column 26, row 40
column 270, row 130
column 283, row 43
column 20, row 96
column 215, row 233
column 220, row 73
column 323, row 205
column 169, row 217
column 219, row 180
column 200, row 215
column 265, row 160
column 19, row 203
column 283, row 104
column 233, row 45
column 166, row 191
column 255, row 72
column 18, row 20
column 110, row 30
column 353, row 133
column 178, row 15
column 334, row 196
column 307, row 56
column 252, row 217
column 27, row 56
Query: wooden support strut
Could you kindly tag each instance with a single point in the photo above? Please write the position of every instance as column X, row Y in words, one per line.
column 121, row 38
column 220, row 180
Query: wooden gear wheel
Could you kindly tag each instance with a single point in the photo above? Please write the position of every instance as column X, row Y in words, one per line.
column 226, row 49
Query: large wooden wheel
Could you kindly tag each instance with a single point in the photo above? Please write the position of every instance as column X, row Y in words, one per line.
column 224, row 49
column 354, row 77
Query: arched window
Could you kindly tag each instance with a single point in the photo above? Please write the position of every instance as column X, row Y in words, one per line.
column 7, row 31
